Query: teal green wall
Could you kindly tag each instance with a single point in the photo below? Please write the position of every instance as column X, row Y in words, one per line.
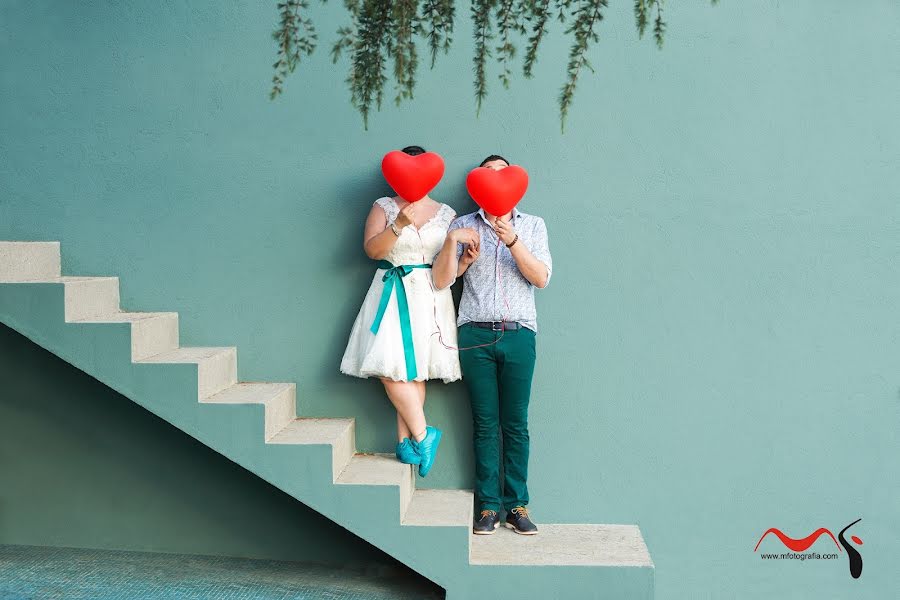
column 83, row 466
column 720, row 348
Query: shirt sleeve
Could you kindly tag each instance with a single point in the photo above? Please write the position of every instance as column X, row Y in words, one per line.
column 541, row 246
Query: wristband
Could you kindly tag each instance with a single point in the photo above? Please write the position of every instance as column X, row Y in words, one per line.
column 395, row 230
column 515, row 239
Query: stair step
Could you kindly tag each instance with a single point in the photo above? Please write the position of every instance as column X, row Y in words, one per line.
column 84, row 296
column 280, row 400
column 582, row 545
column 123, row 317
column 380, row 469
column 440, row 508
column 152, row 333
column 28, row 261
column 90, row 296
column 216, row 367
column 339, row 433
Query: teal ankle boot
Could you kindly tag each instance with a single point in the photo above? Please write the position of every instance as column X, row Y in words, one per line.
column 427, row 448
column 406, row 453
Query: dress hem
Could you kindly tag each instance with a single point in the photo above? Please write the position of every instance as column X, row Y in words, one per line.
column 369, row 375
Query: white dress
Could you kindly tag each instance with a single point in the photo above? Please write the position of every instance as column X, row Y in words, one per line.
column 383, row 354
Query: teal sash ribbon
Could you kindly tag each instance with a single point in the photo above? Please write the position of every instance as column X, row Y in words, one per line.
column 393, row 277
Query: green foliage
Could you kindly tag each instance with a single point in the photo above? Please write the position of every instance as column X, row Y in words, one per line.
column 509, row 22
column 539, row 15
column 405, row 20
column 295, row 36
column 437, row 24
column 481, row 21
column 370, row 49
column 586, row 15
column 643, row 10
column 384, row 31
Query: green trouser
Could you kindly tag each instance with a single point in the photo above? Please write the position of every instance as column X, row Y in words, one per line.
column 499, row 381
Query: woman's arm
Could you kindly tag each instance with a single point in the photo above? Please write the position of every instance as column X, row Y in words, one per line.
column 448, row 266
column 378, row 238
column 444, row 267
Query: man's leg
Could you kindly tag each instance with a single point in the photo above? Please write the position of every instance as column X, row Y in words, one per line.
column 479, row 368
column 516, row 360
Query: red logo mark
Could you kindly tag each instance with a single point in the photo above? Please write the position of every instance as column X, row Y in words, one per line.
column 801, row 544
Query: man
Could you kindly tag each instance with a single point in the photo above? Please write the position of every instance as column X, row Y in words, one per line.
column 508, row 258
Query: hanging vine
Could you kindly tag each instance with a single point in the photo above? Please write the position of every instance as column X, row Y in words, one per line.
column 538, row 13
column 481, row 21
column 296, row 36
column 405, row 24
column 437, row 24
column 586, row 15
column 383, row 32
column 509, row 22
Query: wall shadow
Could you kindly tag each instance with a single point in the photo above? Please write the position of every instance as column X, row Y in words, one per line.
column 83, row 466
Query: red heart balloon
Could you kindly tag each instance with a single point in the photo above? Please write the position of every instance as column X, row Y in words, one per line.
column 497, row 192
column 412, row 177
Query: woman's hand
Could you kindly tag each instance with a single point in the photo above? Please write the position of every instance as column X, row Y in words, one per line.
column 465, row 235
column 406, row 216
column 472, row 242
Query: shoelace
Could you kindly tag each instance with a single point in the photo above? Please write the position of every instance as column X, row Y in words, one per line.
column 485, row 513
column 520, row 511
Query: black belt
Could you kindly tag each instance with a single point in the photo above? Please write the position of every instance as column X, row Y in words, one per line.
column 497, row 325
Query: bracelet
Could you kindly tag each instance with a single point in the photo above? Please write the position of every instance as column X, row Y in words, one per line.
column 515, row 239
column 395, row 230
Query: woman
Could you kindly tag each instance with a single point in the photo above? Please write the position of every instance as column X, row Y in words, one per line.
column 405, row 332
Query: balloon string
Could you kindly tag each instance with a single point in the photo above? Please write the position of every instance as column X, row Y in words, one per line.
column 499, row 281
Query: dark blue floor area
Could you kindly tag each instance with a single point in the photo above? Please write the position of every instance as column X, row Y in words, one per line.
column 45, row 573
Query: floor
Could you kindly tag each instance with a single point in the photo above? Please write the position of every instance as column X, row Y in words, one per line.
column 46, row 573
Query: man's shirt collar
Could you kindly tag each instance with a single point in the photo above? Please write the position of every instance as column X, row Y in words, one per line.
column 515, row 214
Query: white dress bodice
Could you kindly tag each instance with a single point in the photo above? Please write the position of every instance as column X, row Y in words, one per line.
column 415, row 247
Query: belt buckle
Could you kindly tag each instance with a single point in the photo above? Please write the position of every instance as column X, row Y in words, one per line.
column 494, row 325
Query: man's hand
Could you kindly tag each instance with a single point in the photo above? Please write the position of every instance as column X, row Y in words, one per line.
column 504, row 230
column 469, row 255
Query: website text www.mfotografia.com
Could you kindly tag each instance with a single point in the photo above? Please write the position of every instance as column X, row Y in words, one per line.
column 799, row 556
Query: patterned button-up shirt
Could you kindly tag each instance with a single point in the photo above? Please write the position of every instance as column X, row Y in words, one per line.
column 512, row 298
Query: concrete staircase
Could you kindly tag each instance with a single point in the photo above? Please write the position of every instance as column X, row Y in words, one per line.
column 255, row 424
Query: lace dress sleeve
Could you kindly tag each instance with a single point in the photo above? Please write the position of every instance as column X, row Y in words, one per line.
column 390, row 208
column 448, row 215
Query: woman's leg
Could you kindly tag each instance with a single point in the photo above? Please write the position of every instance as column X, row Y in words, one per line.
column 408, row 400
column 421, row 386
column 402, row 429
